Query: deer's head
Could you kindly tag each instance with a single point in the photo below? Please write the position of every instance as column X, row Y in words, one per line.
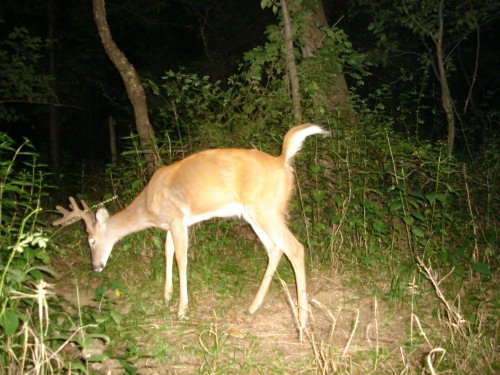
column 100, row 240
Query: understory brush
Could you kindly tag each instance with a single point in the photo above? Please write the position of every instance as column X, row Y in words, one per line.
column 407, row 224
column 30, row 338
column 401, row 223
column 422, row 226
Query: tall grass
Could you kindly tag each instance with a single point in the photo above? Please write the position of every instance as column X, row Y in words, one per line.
column 412, row 219
column 415, row 218
column 30, row 340
column 420, row 225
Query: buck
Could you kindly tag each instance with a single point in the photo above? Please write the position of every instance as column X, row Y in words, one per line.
column 213, row 183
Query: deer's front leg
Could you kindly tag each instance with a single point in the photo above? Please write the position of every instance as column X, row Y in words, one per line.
column 169, row 257
column 180, row 240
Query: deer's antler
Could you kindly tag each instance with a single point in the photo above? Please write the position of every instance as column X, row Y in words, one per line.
column 70, row 217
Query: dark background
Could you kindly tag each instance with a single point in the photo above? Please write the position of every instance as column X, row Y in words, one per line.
column 204, row 37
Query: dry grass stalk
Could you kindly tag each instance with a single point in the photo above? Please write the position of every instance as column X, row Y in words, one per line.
column 430, row 357
column 323, row 354
column 37, row 357
column 293, row 307
column 456, row 320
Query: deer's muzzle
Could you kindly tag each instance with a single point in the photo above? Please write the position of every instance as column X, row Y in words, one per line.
column 98, row 267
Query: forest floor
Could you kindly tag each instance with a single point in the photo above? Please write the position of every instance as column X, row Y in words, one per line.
column 352, row 328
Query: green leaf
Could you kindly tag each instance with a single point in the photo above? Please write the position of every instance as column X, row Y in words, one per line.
column 29, row 254
column 117, row 318
column 417, row 195
column 408, row 220
column 43, row 256
column 378, row 226
column 490, row 235
column 418, row 232
column 99, row 292
column 116, row 285
column 433, row 197
column 319, row 227
column 315, row 169
column 43, row 269
column 107, row 197
column 76, row 366
column 395, row 206
column 128, row 367
column 482, row 268
column 16, row 275
column 318, row 195
column 418, row 216
column 137, row 185
column 338, row 200
column 9, row 322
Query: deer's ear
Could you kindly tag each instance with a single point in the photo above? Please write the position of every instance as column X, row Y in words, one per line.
column 102, row 215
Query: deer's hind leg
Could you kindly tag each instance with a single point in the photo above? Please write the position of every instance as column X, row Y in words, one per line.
column 277, row 238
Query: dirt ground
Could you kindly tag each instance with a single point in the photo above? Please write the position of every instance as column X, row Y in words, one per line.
column 340, row 323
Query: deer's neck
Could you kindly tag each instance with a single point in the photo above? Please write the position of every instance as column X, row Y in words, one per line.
column 130, row 220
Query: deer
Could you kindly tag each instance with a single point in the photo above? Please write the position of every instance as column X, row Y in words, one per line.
column 246, row 183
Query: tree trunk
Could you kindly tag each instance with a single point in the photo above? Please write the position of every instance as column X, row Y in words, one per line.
column 290, row 63
column 446, row 99
column 132, row 82
column 112, row 140
column 55, row 159
column 338, row 93
column 445, row 90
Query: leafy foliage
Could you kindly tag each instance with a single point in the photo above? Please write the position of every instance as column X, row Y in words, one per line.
column 21, row 190
column 21, row 80
column 23, row 259
column 403, row 47
column 30, row 336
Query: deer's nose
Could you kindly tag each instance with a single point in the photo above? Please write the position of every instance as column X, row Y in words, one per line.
column 98, row 267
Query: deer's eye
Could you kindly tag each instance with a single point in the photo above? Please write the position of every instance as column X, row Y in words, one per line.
column 91, row 241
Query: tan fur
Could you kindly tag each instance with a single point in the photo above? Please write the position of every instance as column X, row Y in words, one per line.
column 214, row 183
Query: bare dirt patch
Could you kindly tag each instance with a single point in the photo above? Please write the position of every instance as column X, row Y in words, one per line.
column 219, row 334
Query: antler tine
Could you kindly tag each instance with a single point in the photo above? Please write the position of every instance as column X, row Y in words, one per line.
column 70, row 217
column 85, row 206
column 87, row 215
